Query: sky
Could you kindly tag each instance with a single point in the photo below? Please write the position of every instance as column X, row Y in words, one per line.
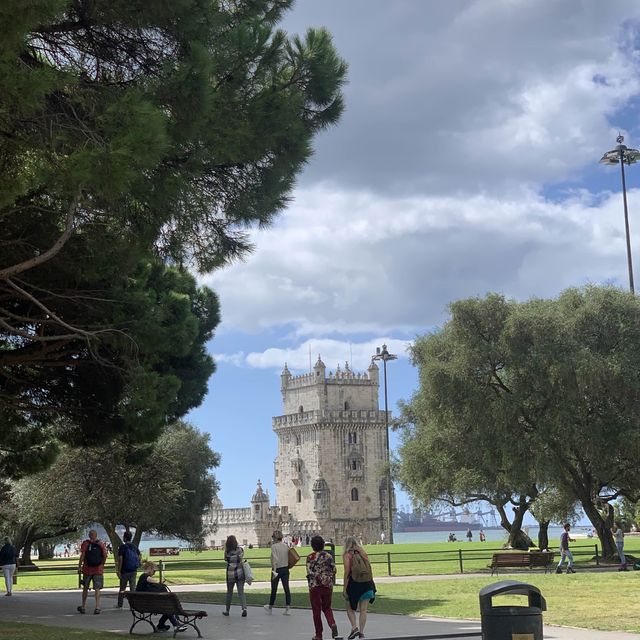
column 466, row 162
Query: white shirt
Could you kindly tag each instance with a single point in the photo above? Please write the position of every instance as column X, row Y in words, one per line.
column 279, row 555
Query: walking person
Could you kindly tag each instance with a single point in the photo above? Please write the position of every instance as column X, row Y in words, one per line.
column 469, row 535
column 9, row 563
column 93, row 555
column 358, row 586
column 127, row 563
column 279, row 572
column 147, row 582
column 233, row 556
column 618, row 534
column 565, row 539
column 321, row 574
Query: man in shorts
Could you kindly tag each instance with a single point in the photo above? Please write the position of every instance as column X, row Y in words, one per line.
column 93, row 555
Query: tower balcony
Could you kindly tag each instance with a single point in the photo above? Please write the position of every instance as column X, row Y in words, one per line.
column 359, row 417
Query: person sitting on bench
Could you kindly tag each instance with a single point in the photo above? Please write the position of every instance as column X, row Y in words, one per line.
column 146, row 582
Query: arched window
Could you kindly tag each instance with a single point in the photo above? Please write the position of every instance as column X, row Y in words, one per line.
column 299, row 495
column 354, row 495
column 353, row 438
column 354, row 464
column 346, row 406
column 300, row 409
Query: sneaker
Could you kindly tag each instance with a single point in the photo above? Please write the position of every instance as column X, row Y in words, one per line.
column 96, row 612
column 117, row 606
column 225, row 613
column 334, row 631
column 268, row 608
column 181, row 628
column 81, row 609
column 355, row 633
column 558, row 570
column 286, row 612
column 570, row 570
column 9, row 592
column 244, row 613
column 163, row 627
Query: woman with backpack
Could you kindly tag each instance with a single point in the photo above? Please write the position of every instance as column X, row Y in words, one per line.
column 235, row 574
column 358, row 586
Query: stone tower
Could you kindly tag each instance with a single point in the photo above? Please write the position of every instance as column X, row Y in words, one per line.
column 332, row 452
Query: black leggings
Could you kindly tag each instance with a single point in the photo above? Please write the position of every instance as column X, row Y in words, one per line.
column 282, row 573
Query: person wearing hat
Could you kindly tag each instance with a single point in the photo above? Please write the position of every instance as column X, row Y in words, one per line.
column 8, row 562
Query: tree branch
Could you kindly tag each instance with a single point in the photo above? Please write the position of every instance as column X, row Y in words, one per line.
column 15, row 269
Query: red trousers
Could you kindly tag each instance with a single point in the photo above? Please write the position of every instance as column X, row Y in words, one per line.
column 320, row 598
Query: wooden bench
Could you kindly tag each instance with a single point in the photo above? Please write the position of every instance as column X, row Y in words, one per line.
column 145, row 604
column 521, row 560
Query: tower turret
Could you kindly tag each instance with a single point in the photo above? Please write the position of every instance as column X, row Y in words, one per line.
column 374, row 372
column 319, row 369
column 260, row 504
column 285, row 378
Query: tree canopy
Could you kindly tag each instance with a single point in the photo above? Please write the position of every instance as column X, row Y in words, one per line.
column 135, row 137
column 540, row 393
column 164, row 487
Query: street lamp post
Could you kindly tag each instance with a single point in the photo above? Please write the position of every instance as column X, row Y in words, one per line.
column 384, row 355
column 621, row 155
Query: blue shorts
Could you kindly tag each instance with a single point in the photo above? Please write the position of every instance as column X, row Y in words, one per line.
column 367, row 596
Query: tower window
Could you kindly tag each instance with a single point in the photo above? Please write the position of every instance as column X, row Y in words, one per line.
column 298, row 440
column 298, row 495
column 354, row 495
column 300, row 409
column 353, row 438
column 354, row 465
column 346, row 406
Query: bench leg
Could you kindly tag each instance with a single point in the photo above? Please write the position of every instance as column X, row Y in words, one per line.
column 141, row 617
column 191, row 622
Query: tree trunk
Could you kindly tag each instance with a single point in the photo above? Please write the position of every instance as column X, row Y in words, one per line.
column 137, row 536
column 518, row 539
column 45, row 550
column 543, row 534
column 602, row 525
column 25, row 558
column 114, row 538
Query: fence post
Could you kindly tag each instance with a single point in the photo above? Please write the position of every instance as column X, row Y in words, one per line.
column 460, row 560
column 388, row 563
column 597, row 558
column 161, row 568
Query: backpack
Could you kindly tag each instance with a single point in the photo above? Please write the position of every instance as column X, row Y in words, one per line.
column 130, row 558
column 360, row 568
column 93, row 555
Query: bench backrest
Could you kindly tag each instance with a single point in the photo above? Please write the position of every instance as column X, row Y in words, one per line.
column 541, row 558
column 149, row 602
column 511, row 556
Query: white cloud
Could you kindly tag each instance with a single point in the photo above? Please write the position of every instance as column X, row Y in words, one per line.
column 339, row 263
column 334, row 353
column 458, row 115
column 473, row 95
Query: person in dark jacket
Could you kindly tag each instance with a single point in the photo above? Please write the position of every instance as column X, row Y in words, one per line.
column 8, row 562
column 146, row 582
column 127, row 563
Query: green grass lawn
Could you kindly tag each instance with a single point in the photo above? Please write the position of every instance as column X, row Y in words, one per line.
column 605, row 601
column 208, row 566
column 19, row 631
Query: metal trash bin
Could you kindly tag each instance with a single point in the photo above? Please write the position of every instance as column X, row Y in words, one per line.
column 511, row 622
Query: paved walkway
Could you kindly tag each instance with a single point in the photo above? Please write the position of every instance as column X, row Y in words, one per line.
column 59, row 609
